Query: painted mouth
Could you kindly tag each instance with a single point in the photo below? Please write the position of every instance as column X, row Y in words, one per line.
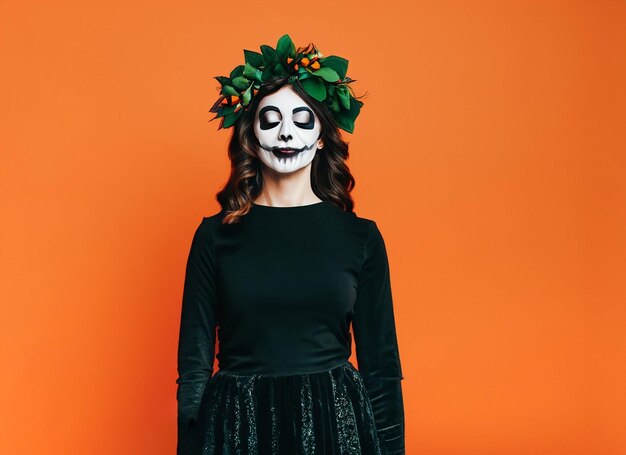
column 285, row 152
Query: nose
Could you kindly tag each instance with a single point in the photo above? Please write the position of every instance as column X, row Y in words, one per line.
column 284, row 134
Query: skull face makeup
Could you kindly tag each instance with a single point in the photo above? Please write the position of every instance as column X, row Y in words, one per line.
column 287, row 129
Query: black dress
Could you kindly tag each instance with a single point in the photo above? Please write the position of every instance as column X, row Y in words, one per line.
column 282, row 287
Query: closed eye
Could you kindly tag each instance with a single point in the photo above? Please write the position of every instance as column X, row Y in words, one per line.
column 304, row 117
column 269, row 117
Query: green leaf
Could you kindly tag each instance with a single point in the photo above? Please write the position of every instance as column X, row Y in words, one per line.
column 247, row 95
column 345, row 121
column 285, row 47
column 237, row 71
column 223, row 80
column 334, row 105
column 340, row 65
column 254, row 58
column 252, row 73
column 315, row 87
column 227, row 110
column 344, row 96
column 355, row 107
column 304, row 75
column 241, row 83
column 267, row 74
column 231, row 119
column 269, row 53
column 280, row 70
column 328, row 74
column 229, row 91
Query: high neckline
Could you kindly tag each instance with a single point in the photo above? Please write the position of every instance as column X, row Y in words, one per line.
column 293, row 208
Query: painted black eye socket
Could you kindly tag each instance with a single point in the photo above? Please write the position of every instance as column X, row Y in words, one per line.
column 310, row 123
column 270, row 117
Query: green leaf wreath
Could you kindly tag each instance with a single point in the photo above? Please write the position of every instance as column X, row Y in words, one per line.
column 324, row 78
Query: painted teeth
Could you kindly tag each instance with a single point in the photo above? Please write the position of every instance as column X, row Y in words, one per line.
column 287, row 159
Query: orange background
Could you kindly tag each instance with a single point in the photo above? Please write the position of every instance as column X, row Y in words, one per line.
column 490, row 151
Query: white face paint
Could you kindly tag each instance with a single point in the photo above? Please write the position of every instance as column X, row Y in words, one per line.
column 287, row 129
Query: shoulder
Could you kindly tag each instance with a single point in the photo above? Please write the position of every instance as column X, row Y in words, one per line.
column 374, row 242
column 212, row 221
column 357, row 222
column 364, row 227
column 206, row 229
column 370, row 227
column 368, row 233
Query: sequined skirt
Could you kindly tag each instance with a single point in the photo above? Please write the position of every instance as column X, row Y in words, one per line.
column 304, row 414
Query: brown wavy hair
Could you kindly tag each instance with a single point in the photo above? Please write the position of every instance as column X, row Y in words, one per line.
column 331, row 179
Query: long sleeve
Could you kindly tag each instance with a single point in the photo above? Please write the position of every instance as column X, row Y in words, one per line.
column 377, row 351
column 196, row 345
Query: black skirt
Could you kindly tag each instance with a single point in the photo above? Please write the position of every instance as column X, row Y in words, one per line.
column 317, row 413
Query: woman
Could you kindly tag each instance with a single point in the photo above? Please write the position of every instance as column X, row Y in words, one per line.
column 281, row 272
